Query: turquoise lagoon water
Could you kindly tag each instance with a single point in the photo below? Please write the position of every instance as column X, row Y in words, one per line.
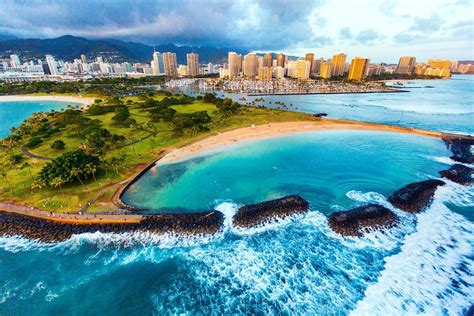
column 296, row 266
column 13, row 113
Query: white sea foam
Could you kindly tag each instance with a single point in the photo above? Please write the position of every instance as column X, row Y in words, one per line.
column 432, row 273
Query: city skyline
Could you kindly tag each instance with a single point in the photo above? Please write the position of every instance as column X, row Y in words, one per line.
column 440, row 29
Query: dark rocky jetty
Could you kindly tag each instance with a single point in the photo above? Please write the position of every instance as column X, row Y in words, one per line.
column 461, row 148
column 260, row 213
column 353, row 222
column 459, row 174
column 415, row 197
column 53, row 231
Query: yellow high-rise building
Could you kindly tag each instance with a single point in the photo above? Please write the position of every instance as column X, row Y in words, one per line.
column 250, row 65
column 309, row 57
column 235, row 64
column 265, row 73
column 338, row 64
column 302, row 69
column 326, row 70
column 280, row 60
column 358, row 69
column 406, row 65
column 440, row 63
column 268, row 60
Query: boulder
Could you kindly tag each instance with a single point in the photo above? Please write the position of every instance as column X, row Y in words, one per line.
column 260, row 213
column 415, row 197
column 461, row 148
column 459, row 174
column 357, row 220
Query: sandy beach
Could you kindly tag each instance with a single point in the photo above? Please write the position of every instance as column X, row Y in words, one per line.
column 76, row 99
column 280, row 129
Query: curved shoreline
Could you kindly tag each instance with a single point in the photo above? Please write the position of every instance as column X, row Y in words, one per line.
column 210, row 143
column 18, row 98
column 270, row 130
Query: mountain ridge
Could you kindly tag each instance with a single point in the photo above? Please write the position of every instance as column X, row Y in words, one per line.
column 68, row 47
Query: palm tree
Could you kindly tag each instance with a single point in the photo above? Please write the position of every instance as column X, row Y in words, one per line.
column 76, row 172
column 92, row 169
column 57, row 182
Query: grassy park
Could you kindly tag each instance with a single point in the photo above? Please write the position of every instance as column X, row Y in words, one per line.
column 84, row 154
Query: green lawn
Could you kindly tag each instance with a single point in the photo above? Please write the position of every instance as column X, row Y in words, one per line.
column 18, row 178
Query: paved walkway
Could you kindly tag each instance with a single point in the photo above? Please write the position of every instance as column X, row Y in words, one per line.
column 69, row 218
column 30, row 154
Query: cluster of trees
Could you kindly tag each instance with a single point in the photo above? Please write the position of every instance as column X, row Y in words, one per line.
column 167, row 101
column 105, row 86
column 70, row 167
column 227, row 107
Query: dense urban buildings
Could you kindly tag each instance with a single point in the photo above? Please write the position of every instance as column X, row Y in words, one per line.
column 252, row 66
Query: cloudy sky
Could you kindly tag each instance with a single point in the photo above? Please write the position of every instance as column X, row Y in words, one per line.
column 379, row 29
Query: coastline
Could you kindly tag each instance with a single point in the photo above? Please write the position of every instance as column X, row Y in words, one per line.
column 85, row 101
column 195, row 148
column 281, row 129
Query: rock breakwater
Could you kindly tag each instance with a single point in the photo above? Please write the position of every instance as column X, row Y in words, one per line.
column 415, row 197
column 261, row 213
column 357, row 220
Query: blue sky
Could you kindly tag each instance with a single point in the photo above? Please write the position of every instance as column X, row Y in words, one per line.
column 382, row 30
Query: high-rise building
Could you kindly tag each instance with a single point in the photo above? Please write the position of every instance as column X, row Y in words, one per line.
column 265, row 73
column 250, row 65
column 316, row 65
column 338, row 64
column 83, row 59
column 326, row 70
column 268, row 60
column 155, row 64
column 280, row 61
column 439, row 63
column 302, row 69
column 406, row 65
column 52, row 65
column 170, row 64
column 15, row 60
column 309, row 57
column 279, row 72
column 358, row 69
column 193, row 64
column 210, row 68
column 235, row 64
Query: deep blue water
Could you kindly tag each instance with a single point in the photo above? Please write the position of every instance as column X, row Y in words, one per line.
column 13, row 113
column 295, row 266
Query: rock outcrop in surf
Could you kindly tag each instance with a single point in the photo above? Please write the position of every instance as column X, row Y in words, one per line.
column 355, row 221
column 459, row 174
column 461, row 148
column 261, row 213
column 416, row 196
column 53, row 231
